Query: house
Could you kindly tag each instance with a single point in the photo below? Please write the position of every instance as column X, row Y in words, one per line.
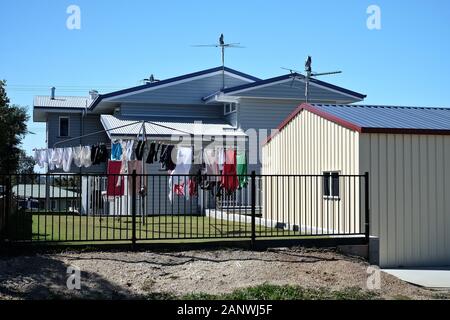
column 406, row 152
column 210, row 104
column 226, row 101
column 34, row 197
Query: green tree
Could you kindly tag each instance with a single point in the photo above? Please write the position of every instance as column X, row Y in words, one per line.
column 13, row 128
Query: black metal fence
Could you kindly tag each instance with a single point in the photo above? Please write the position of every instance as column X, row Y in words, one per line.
column 86, row 208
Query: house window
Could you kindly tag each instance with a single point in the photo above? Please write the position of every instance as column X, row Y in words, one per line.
column 63, row 126
column 331, row 184
column 229, row 108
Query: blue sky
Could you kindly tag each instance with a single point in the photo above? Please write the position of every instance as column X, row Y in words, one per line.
column 121, row 42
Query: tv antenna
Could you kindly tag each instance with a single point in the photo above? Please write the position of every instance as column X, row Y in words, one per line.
column 309, row 74
column 222, row 45
column 149, row 80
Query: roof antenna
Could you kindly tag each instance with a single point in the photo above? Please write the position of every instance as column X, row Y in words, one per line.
column 309, row 74
column 149, row 80
column 222, row 45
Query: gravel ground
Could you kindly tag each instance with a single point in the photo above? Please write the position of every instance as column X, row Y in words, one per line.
column 121, row 275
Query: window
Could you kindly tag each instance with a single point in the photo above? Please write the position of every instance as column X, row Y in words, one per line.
column 331, row 184
column 229, row 108
column 63, row 126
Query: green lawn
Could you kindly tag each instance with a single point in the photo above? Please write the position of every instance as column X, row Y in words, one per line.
column 69, row 228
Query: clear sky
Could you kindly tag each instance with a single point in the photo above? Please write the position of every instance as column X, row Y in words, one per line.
column 406, row 62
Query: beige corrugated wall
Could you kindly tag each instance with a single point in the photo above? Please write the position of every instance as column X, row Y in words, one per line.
column 310, row 144
column 410, row 197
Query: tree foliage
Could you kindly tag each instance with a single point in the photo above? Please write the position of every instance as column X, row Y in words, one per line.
column 13, row 128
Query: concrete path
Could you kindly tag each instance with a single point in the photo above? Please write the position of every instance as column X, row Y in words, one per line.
column 430, row 278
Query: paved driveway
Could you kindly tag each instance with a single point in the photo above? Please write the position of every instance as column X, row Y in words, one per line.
column 430, row 278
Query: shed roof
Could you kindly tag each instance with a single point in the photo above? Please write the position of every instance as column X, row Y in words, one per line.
column 380, row 119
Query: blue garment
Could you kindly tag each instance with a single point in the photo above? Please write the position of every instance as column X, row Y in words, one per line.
column 116, row 151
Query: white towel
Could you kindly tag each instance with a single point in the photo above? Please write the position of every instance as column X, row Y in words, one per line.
column 67, row 158
column 183, row 165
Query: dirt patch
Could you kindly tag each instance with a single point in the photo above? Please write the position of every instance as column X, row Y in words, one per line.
column 117, row 275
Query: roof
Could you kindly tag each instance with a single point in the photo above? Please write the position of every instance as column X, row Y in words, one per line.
column 166, row 127
column 38, row 191
column 380, row 119
column 168, row 81
column 289, row 76
column 61, row 102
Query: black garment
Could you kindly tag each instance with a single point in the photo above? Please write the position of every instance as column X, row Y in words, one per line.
column 156, row 153
column 100, row 154
column 139, row 151
column 166, row 159
column 94, row 149
column 151, row 153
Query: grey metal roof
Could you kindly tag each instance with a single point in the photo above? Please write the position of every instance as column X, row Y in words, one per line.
column 38, row 191
column 61, row 102
column 390, row 117
column 168, row 127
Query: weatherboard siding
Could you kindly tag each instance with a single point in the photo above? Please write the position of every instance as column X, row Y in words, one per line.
column 297, row 91
column 409, row 203
column 190, row 92
column 258, row 118
column 171, row 111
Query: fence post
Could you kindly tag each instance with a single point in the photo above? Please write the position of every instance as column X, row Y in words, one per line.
column 367, row 208
column 7, row 211
column 253, row 209
column 133, row 208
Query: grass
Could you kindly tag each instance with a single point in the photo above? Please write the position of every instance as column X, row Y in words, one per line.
column 285, row 292
column 74, row 228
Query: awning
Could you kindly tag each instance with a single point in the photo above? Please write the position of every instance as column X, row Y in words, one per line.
column 122, row 128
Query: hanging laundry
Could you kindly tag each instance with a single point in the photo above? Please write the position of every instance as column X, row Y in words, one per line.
column 141, row 181
column 94, row 149
column 127, row 149
column 211, row 169
column 76, row 154
column 67, row 158
column 99, row 154
column 57, row 157
column 184, row 162
column 152, row 153
column 140, row 150
column 166, row 159
column 229, row 179
column 113, row 176
column 220, row 153
column 85, row 157
column 241, row 169
column 51, row 165
column 116, row 151
column 41, row 157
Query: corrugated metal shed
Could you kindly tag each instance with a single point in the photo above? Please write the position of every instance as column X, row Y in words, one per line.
column 38, row 191
column 167, row 127
column 394, row 117
column 61, row 102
